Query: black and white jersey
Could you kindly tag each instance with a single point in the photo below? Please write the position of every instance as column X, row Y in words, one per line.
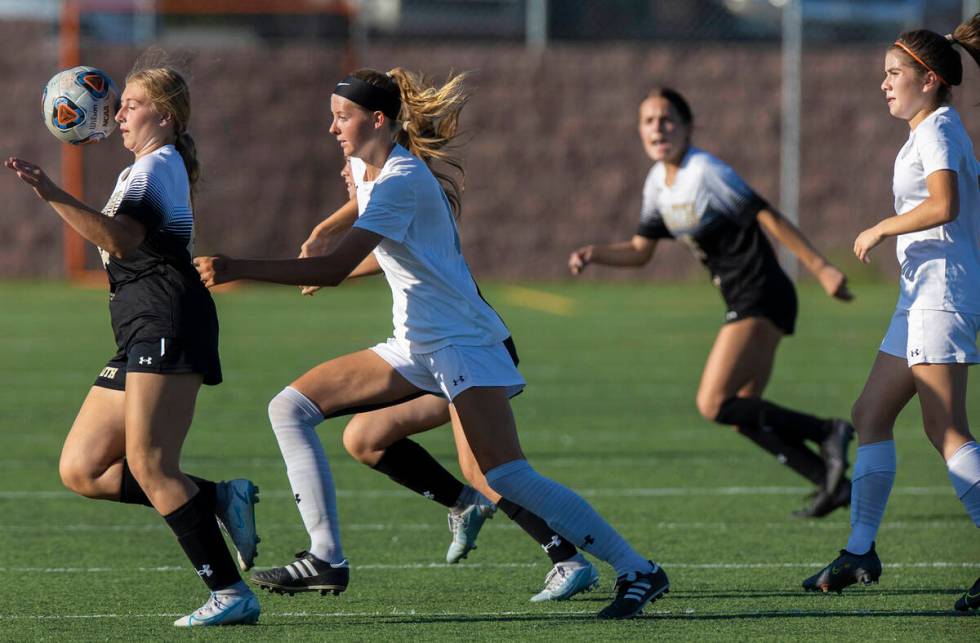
column 154, row 191
column 155, row 291
column 713, row 211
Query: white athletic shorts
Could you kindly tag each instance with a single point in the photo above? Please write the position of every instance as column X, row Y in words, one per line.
column 933, row 337
column 451, row 370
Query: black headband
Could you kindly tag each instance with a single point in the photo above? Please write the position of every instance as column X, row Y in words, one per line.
column 370, row 97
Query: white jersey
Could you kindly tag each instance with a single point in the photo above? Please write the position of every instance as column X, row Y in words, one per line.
column 940, row 266
column 435, row 301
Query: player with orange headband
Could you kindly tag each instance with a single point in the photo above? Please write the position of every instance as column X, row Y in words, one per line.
column 932, row 338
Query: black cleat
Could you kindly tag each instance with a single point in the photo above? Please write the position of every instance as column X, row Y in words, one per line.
column 636, row 590
column 305, row 574
column 970, row 600
column 833, row 450
column 823, row 503
column 846, row 570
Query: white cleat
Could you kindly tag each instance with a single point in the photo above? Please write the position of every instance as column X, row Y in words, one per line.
column 224, row 609
column 236, row 517
column 465, row 525
column 568, row 578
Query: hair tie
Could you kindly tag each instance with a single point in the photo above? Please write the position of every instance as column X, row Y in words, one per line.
column 911, row 53
column 952, row 40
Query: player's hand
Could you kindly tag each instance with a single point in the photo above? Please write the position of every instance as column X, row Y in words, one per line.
column 865, row 242
column 834, row 283
column 310, row 248
column 579, row 259
column 318, row 244
column 215, row 270
column 34, row 176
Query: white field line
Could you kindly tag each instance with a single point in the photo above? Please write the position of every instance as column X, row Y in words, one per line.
column 429, row 566
column 589, row 613
column 13, row 494
column 396, row 613
column 47, row 527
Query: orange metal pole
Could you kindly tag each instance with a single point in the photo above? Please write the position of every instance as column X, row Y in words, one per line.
column 71, row 156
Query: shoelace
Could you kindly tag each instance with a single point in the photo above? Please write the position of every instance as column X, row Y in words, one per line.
column 555, row 577
column 455, row 520
column 212, row 605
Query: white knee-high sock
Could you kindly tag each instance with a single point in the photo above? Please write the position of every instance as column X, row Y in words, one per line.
column 874, row 474
column 294, row 418
column 964, row 473
column 567, row 513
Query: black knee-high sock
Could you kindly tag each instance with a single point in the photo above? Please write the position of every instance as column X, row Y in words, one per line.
column 557, row 548
column 796, row 455
column 197, row 532
column 131, row 493
column 756, row 413
column 411, row 466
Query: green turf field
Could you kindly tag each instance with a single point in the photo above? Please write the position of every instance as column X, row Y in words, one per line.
column 609, row 410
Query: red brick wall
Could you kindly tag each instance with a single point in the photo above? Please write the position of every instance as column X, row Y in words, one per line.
column 552, row 155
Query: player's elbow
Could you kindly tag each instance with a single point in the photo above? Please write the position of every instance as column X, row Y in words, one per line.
column 642, row 251
column 120, row 251
column 948, row 211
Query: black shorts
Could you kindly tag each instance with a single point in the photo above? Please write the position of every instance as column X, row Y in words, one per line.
column 776, row 302
column 165, row 356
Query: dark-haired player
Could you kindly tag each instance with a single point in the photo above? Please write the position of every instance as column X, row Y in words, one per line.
column 693, row 197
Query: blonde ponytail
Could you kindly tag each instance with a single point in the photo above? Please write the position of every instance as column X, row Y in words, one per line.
column 428, row 123
column 167, row 91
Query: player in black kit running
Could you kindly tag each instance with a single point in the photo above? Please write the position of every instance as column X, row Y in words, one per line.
column 697, row 199
column 126, row 440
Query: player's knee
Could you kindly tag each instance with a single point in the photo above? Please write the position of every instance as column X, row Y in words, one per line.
column 279, row 407
column 862, row 414
column 76, row 475
column 358, row 445
column 150, row 469
column 290, row 409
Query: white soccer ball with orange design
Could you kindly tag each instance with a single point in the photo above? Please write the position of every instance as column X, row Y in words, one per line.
column 79, row 105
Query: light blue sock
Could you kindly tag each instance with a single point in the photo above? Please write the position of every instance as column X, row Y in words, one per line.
column 294, row 418
column 874, row 474
column 964, row 473
column 567, row 513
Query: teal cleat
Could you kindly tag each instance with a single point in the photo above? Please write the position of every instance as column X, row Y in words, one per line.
column 236, row 517
column 568, row 578
column 236, row 609
column 465, row 525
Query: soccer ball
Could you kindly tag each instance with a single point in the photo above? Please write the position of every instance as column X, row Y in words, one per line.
column 79, row 105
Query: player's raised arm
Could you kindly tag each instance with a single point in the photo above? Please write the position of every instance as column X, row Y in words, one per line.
column 328, row 270
column 119, row 236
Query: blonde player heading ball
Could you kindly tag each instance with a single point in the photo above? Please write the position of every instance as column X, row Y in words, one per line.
column 126, row 441
column 447, row 340
column 932, row 337
column 691, row 196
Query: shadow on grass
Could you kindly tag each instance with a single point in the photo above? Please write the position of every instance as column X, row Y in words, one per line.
column 814, row 596
column 557, row 620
